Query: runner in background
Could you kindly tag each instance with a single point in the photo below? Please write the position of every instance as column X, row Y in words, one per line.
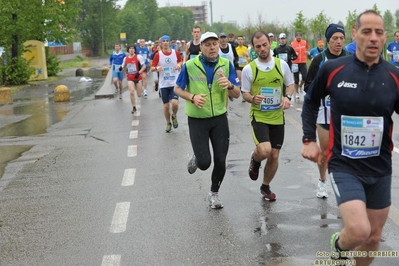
column 144, row 51
column 115, row 63
column 193, row 47
column 301, row 48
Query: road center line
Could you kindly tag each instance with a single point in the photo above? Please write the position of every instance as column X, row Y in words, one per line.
column 119, row 220
column 135, row 123
column 131, row 150
column 111, row 260
column 133, row 134
column 128, row 177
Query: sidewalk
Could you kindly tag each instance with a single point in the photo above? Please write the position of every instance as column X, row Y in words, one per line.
column 67, row 57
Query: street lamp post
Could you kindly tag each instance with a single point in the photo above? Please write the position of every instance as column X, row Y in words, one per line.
column 102, row 28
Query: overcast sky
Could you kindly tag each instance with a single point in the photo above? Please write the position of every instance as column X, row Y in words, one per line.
column 281, row 11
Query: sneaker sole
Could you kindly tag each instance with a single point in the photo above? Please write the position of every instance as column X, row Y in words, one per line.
column 216, row 207
column 266, row 198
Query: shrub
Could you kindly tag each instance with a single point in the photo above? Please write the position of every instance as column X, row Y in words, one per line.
column 53, row 64
column 15, row 71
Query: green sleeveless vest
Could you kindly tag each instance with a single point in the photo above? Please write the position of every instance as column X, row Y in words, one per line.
column 216, row 98
column 269, row 84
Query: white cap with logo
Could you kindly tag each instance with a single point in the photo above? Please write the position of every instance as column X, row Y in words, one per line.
column 282, row 35
column 208, row 35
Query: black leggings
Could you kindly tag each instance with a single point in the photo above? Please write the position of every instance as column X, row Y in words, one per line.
column 215, row 129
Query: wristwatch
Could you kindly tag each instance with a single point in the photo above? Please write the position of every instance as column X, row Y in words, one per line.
column 288, row 96
column 307, row 140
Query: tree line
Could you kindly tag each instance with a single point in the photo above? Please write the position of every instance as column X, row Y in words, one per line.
column 98, row 24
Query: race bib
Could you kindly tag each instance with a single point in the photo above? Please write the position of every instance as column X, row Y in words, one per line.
column 169, row 73
column 242, row 60
column 295, row 68
column 131, row 69
column 283, row 56
column 361, row 136
column 272, row 99
column 395, row 56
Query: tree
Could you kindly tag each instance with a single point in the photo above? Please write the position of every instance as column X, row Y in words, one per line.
column 397, row 18
column 375, row 8
column 388, row 21
column 299, row 23
column 319, row 24
column 97, row 20
column 21, row 21
column 350, row 23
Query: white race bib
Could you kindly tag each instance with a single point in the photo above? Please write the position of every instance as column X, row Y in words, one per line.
column 272, row 99
column 361, row 136
column 131, row 68
column 169, row 73
column 295, row 68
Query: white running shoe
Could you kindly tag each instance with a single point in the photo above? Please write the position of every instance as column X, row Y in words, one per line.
column 214, row 201
column 322, row 189
column 145, row 93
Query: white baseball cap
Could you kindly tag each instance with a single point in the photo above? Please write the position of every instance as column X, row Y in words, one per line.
column 271, row 34
column 282, row 35
column 208, row 35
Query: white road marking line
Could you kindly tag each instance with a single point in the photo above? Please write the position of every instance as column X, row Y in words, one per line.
column 137, row 113
column 135, row 123
column 111, row 260
column 128, row 177
column 119, row 220
column 395, row 149
column 133, row 134
column 131, row 150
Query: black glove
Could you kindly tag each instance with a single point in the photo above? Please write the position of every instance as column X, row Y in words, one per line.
column 120, row 68
column 137, row 75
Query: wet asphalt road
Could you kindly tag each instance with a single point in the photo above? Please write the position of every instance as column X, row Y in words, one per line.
column 96, row 185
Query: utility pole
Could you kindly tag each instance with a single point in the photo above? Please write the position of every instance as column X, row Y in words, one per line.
column 210, row 4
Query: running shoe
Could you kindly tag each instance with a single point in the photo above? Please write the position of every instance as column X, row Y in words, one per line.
column 253, row 169
column 335, row 252
column 145, row 93
column 214, row 201
column 168, row 127
column 268, row 194
column 156, row 87
column 134, row 109
column 322, row 189
column 231, row 98
column 120, row 95
column 174, row 121
column 192, row 165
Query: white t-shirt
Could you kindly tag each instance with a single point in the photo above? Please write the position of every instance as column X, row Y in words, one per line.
column 246, row 75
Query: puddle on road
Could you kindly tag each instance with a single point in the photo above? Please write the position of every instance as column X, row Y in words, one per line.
column 34, row 110
column 10, row 153
column 38, row 109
